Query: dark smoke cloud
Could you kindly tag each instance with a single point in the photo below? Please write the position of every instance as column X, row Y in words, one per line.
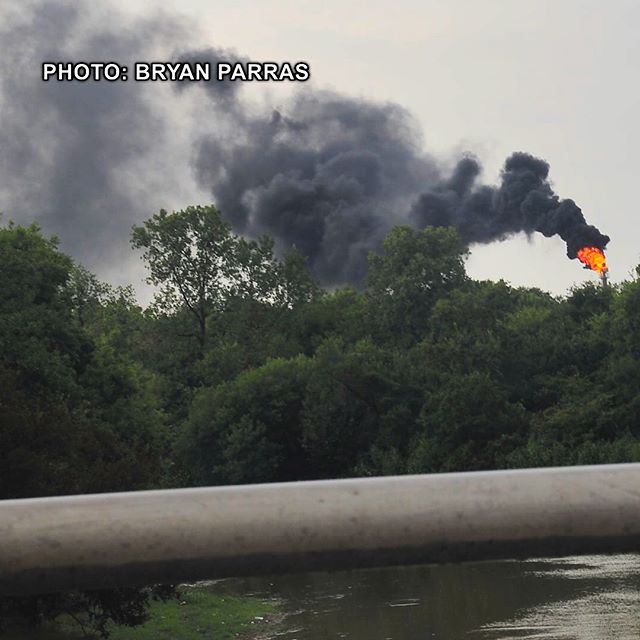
column 71, row 152
column 329, row 175
column 324, row 172
column 524, row 201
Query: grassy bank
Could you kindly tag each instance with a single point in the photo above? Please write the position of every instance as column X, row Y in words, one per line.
column 199, row 614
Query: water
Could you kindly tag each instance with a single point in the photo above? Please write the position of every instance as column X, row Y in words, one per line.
column 577, row 598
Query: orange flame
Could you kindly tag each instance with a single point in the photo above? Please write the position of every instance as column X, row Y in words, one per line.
column 593, row 258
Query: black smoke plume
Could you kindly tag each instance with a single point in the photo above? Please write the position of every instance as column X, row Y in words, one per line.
column 524, row 201
column 328, row 174
column 325, row 172
column 332, row 175
column 86, row 160
column 66, row 147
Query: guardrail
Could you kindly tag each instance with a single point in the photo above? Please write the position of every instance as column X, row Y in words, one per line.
column 106, row 540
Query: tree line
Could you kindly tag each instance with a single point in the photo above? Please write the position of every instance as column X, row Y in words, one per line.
column 244, row 369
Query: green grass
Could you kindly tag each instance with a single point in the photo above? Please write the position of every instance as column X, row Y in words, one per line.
column 199, row 614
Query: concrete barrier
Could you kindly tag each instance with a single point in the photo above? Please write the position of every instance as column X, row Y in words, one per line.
column 105, row 540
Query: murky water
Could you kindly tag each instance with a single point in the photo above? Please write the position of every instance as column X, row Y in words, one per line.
column 585, row 598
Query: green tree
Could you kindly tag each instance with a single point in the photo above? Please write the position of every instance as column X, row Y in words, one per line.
column 75, row 415
column 468, row 424
column 415, row 269
column 198, row 264
column 248, row 429
column 189, row 255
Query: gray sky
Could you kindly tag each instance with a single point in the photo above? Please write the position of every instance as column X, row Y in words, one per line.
column 556, row 78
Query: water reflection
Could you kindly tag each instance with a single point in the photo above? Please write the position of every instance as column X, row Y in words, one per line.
column 586, row 598
column 605, row 604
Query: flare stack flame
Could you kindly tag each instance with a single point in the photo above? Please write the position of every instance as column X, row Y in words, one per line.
column 593, row 258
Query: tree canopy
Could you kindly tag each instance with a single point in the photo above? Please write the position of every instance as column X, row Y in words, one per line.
column 244, row 370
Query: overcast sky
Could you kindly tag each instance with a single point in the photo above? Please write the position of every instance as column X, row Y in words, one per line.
column 556, row 78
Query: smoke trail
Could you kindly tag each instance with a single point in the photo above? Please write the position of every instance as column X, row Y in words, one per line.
column 524, row 201
column 331, row 176
column 327, row 173
column 84, row 159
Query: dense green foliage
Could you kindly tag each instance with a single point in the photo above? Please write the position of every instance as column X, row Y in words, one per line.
column 244, row 370
column 77, row 413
